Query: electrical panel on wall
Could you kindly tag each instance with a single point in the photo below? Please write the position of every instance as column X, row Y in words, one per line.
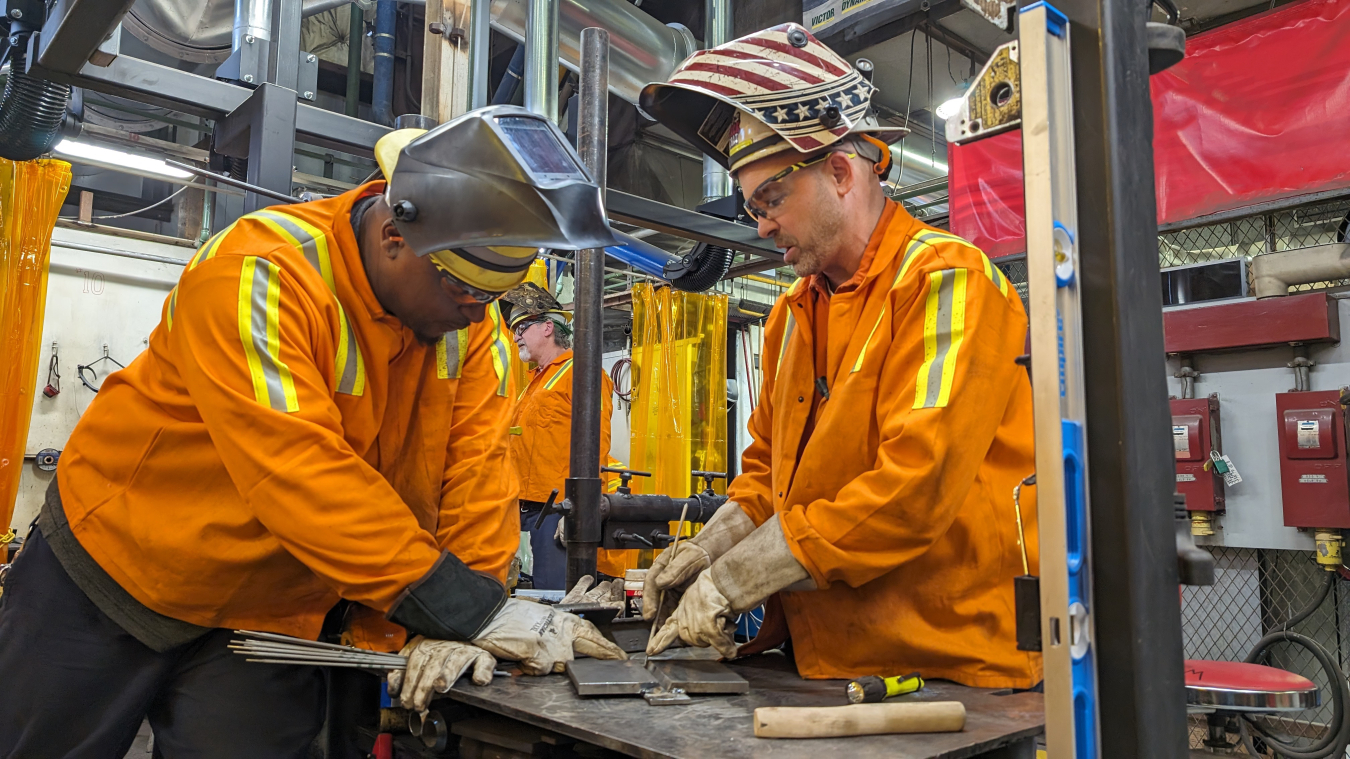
column 1197, row 441
column 1314, row 483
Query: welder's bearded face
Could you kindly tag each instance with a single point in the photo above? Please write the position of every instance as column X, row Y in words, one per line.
column 802, row 211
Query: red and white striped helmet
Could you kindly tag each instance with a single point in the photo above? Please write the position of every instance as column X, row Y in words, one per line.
column 774, row 90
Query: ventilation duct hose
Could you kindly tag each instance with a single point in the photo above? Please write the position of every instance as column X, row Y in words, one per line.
column 31, row 112
column 694, row 272
column 700, row 268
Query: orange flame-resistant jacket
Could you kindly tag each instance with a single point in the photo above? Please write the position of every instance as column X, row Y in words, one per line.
column 541, row 439
column 899, row 503
column 284, row 442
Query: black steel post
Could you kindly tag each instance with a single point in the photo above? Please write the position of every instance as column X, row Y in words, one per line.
column 356, row 33
column 1137, row 619
column 582, row 529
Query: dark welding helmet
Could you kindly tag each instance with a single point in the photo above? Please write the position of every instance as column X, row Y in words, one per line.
column 482, row 194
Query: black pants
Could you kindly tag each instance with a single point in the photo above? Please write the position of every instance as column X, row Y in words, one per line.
column 74, row 684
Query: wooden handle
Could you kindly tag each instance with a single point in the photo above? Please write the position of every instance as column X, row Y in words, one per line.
column 859, row 719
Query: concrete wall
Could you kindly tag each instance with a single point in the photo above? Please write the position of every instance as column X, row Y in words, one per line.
column 93, row 300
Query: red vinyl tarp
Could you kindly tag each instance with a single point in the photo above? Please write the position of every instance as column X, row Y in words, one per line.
column 1257, row 111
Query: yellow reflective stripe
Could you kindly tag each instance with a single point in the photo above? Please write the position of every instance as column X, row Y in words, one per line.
column 304, row 237
column 501, row 360
column 173, row 304
column 994, row 274
column 349, row 365
column 451, row 351
column 209, row 249
column 260, row 332
column 787, row 335
column 561, row 371
column 944, row 325
column 920, row 240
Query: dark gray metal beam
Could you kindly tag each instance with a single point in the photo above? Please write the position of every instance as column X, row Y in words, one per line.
column 886, row 22
column 1137, row 619
column 166, row 87
column 73, row 31
column 691, row 225
column 262, row 129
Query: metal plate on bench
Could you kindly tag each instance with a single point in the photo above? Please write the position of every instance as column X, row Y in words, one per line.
column 698, row 676
column 593, row 677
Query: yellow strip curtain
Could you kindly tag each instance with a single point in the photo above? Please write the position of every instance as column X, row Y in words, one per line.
column 31, row 193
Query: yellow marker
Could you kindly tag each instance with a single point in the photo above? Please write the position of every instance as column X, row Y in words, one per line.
column 871, row 689
column 517, row 430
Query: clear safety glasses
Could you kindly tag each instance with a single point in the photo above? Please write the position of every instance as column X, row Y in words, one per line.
column 767, row 200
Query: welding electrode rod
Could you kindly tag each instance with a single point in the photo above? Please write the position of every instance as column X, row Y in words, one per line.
column 592, row 143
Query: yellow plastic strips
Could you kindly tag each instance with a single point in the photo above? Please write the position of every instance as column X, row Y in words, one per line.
column 31, row 193
column 679, row 413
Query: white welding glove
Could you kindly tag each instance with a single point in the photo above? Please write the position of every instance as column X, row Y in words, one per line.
column 740, row 580
column 668, row 577
column 435, row 665
column 542, row 638
column 608, row 593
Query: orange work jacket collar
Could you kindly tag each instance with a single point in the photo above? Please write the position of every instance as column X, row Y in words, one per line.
column 350, row 249
column 893, row 227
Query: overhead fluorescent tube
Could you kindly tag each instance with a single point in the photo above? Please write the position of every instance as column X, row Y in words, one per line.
column 118, row 158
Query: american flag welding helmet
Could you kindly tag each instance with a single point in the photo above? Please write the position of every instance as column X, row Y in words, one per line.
column 774, row 90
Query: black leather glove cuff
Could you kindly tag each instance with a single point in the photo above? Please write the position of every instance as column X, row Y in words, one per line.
column 451, row 602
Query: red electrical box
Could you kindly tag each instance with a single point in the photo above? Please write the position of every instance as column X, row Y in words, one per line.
column 1195, row 432
column 1313, row 478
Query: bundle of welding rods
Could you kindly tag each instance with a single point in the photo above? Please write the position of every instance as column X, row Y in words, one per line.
column 271, row 648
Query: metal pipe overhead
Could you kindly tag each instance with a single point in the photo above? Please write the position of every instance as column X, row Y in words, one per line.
column 1274, row 273
column 642, row 49
column 582, row 528
column 251, row 18
column 716, row 30
column 541, row 58
column 480, row 44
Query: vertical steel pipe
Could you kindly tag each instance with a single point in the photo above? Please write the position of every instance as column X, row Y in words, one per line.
column 480, row 44
column 356, row 32
column 582, row 529
column 541, row 58
column 716, row 31
column 382, row 96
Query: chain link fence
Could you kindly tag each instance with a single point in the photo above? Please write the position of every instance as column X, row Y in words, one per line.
column 1255, row 592
column 1247, row 237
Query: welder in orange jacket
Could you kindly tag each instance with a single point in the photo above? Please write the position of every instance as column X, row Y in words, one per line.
column 874, row 511
column 320, row 415
column 541, row 438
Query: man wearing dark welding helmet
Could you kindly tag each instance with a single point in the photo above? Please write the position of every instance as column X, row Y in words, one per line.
column 321, row 415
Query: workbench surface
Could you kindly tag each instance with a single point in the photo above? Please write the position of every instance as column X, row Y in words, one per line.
column 723, row 726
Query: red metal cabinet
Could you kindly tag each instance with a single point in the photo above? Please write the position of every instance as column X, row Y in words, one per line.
column 1313, row 478
column 1196, row 432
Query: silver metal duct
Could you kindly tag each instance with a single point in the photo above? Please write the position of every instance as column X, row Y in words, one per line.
column 717, row 30
column 642, row 49
column 541, row 58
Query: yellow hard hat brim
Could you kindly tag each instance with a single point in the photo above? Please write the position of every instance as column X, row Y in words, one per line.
column 388, row 148
column 476, row 276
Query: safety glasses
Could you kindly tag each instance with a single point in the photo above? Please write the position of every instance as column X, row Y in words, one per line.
column 520, row 329
column 767, row 200
column 478, row 296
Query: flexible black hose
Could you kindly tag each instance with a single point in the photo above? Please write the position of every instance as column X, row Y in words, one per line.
column 1338, row 733
column 31, row 111
column 1311, row 607
column 701, row 268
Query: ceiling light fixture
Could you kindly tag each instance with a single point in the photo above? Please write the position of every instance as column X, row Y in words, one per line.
column 118, row 158
column 949, row 108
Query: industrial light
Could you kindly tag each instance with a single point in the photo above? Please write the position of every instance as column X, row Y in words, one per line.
column 118, row 158
column 902, row 155
column 948, row 109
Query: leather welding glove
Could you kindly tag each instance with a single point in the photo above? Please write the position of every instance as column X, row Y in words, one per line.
column 435, row 665
column 668, row 576
column 607, row 593
column 542, row 638
column 743, row 578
